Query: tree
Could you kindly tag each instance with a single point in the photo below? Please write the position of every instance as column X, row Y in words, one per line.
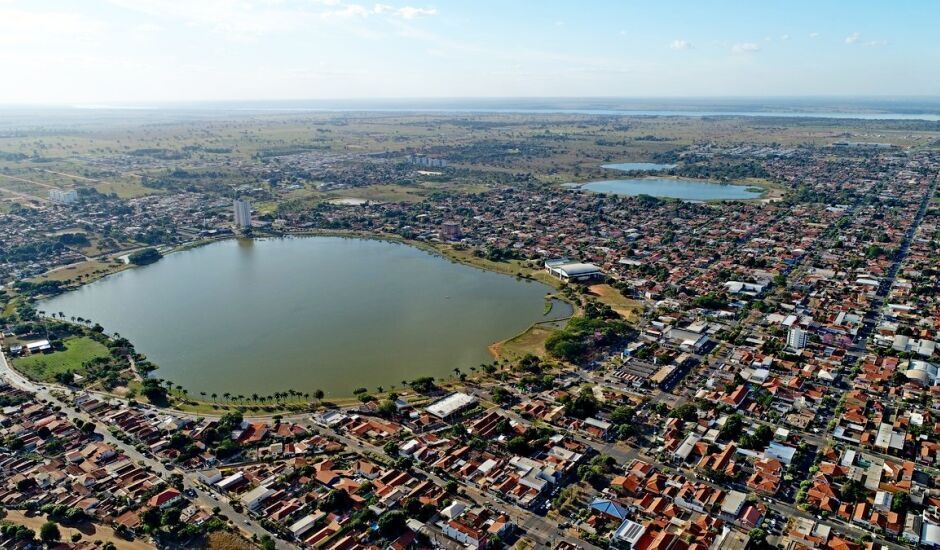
column 153, row 391
column 318, row 395
column 151, row 518
column 49, row 533
column 686, row 412
column 622, row 415
column 518, row 446
column 391, row 524
column 267, row 543
column 145, row 256
column 756, row 534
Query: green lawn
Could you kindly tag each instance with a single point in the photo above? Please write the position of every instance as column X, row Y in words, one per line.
column 44, row 366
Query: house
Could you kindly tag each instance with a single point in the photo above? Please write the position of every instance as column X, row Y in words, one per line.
column 628, row 534
column 165, row 499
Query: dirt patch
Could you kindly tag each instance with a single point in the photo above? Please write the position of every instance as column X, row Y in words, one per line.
column 221, row 540
column 89, row 531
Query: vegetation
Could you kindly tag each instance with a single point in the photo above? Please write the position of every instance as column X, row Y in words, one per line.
column 76, row 355
column 145, row 256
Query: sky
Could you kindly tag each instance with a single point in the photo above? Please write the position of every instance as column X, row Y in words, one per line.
column 132, row 51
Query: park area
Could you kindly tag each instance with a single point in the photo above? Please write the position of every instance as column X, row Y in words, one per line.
column 77, row 351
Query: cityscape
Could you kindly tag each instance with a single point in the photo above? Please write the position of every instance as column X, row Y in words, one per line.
column 499, row 319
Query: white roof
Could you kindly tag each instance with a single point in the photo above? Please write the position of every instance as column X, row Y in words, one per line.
column 305, row 523
column 578, row 269
column 230, row 480
column 451, row 404
column 629, row 531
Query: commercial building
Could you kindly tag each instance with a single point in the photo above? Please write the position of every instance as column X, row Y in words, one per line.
column 573, row 271
column 242, row 213
column 451, row 405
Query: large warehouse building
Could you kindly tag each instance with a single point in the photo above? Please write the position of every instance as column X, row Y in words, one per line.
column 573, row 271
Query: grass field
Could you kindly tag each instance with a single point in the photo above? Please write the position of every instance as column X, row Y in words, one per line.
column 44, row 366
column 627, row 308
column 532, row 341
column 81, row 271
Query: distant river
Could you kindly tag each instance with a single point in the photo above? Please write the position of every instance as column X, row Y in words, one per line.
column 306, row 313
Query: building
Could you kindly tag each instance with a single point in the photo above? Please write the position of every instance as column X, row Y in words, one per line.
column 63, row 196
column 242, row 213
column 573, row 271
column 629, row 534
column 450, row 231
column 451, row 405
column 797, row 338
column 253, row 498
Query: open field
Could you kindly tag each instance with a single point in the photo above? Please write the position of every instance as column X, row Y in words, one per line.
column 532, row 341
column 221, row 540
column 44, row 366
column 627, row 308
column 83, row 272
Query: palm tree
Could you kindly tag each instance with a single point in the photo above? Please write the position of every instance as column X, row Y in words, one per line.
column 226, row 396
column 254, row 397
column 318, row 395
column 214, row 396
column 380, row 389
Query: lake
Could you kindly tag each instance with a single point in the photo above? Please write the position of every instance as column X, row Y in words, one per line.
column 307, row 313
column 673, row 188
column 638, row 166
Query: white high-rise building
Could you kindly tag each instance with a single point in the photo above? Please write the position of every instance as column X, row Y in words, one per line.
column 797, row 338
column 242, row 213
column 63, row 196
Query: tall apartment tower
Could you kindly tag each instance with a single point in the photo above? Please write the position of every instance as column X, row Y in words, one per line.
column 797, row 338
column 242, row 213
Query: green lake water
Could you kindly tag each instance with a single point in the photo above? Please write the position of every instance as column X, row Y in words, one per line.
column 330, row 313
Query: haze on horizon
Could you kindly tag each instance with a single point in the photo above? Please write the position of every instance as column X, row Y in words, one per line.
column 126, row 51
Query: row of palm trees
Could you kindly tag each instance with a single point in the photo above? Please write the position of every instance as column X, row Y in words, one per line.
column 276, row 397
column 61, row 315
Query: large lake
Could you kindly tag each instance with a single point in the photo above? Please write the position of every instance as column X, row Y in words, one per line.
column 306, row 313
column 673, row 188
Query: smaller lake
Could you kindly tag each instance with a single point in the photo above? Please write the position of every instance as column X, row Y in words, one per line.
column 638, row 166
column 673, row 188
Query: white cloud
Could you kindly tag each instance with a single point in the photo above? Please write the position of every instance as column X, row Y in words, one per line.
column 409, row 12
column 745, row 47
column 852, row 38
column 785, row 37
column 258, row 17
column 813, row 34
column 877, row 43
column 24, row 27
column 680, row 45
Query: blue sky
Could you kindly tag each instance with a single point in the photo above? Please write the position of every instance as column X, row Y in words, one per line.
column 104, row 51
